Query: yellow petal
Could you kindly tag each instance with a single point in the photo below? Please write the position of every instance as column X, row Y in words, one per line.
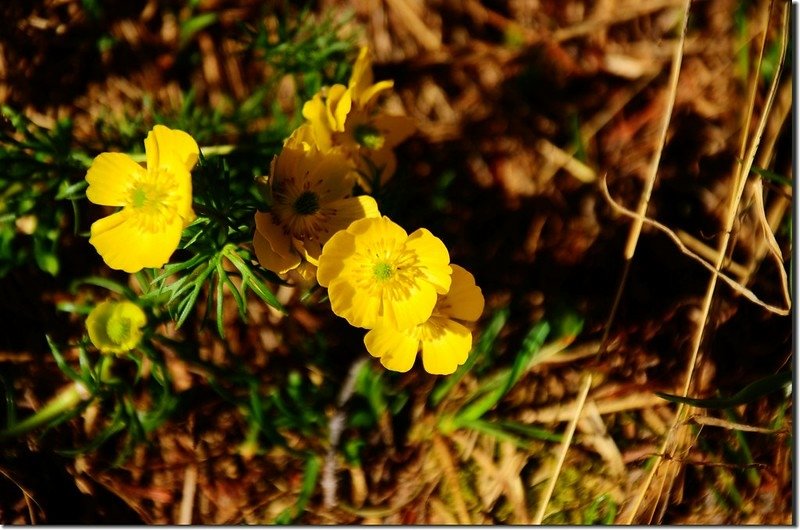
column 329, row 174
column 110, row 177
column 356, row 306
column 361, row 80
column 184, row 190
column 362, row 70
column 316, row 113
column 304, row 274
column 339, row 104
column 395, row 129
column 414, row 306
column 170, row 149
column 345, row 211
column 433, row 257
column 273, row 246
column 464, row 301
column 378, row 232
column 445, row 346
column 126, row 242
column 336, row 251
column 366, row 97
column 396, row 350
column 301, row 138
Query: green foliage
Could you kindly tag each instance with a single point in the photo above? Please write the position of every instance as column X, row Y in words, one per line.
column 748, row 394
column 307, row 46
column 40, row 186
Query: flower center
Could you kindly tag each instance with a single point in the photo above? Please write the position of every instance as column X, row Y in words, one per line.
column 306, row 204
column 368, row 136
column 119, row 329
column 382, row 271
column 139, row 198
column 153, row 199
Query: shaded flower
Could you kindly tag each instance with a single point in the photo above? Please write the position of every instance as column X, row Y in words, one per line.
column 377, row 274
column 445, row 342
column 310, row 200
column 156, row 202
column 346, row 117
column 115, row 327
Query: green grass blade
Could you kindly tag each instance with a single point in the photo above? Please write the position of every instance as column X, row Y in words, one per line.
column 750, row 393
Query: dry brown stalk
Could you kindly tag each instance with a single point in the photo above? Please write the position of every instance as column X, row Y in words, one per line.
column 625, row 11
column 731, row 425
column 187, row 497
column 409, row 17
column 562, row 453
column 451, row 478
column 678, row 437
column 563, row 412
column 715, row 268
column 708, row 253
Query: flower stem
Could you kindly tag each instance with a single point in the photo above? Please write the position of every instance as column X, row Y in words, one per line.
column 64, row 402
column 67, row 400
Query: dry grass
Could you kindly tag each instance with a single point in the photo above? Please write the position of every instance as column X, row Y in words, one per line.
column 553, row 116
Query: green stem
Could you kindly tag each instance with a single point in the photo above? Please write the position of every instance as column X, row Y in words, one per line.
column 64, row 402
column 67, row 400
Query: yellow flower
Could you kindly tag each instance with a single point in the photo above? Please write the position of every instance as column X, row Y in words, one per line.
column 310, row 201
column 344, row 117
column 115, row 327
column 377, row 274
column 371, row 139
column 444, row 341
column 326, row 113
column 156, row 202
column 361, row 87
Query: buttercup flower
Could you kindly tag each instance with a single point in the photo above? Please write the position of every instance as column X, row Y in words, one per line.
column 310, row 201
column 376, row 274
column 156, row 202
column 346, row 117
column 115, row 327
column 444, row 341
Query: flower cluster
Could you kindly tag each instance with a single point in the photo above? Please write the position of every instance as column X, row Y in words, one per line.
column 346, row 140
column 404, row 290
column 400, row 287
column 349, row 119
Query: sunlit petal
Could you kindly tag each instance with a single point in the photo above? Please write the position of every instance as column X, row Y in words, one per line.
column 396, row 350
column 464, row 301
column 445, row 346
column 126, row 242
column 436, row 258
column 170, row 149
column 110, row 177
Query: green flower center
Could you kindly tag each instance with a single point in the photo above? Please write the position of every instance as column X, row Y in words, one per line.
column 382, row 271
column 307, row 203
column 139, row 198
column 119, row 329
column 368, row 136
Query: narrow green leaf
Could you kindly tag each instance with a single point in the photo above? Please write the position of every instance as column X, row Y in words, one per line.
column 530, row 346
column 771, row 176
column 62, row 363
column 748, row 394
column 290, row 515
